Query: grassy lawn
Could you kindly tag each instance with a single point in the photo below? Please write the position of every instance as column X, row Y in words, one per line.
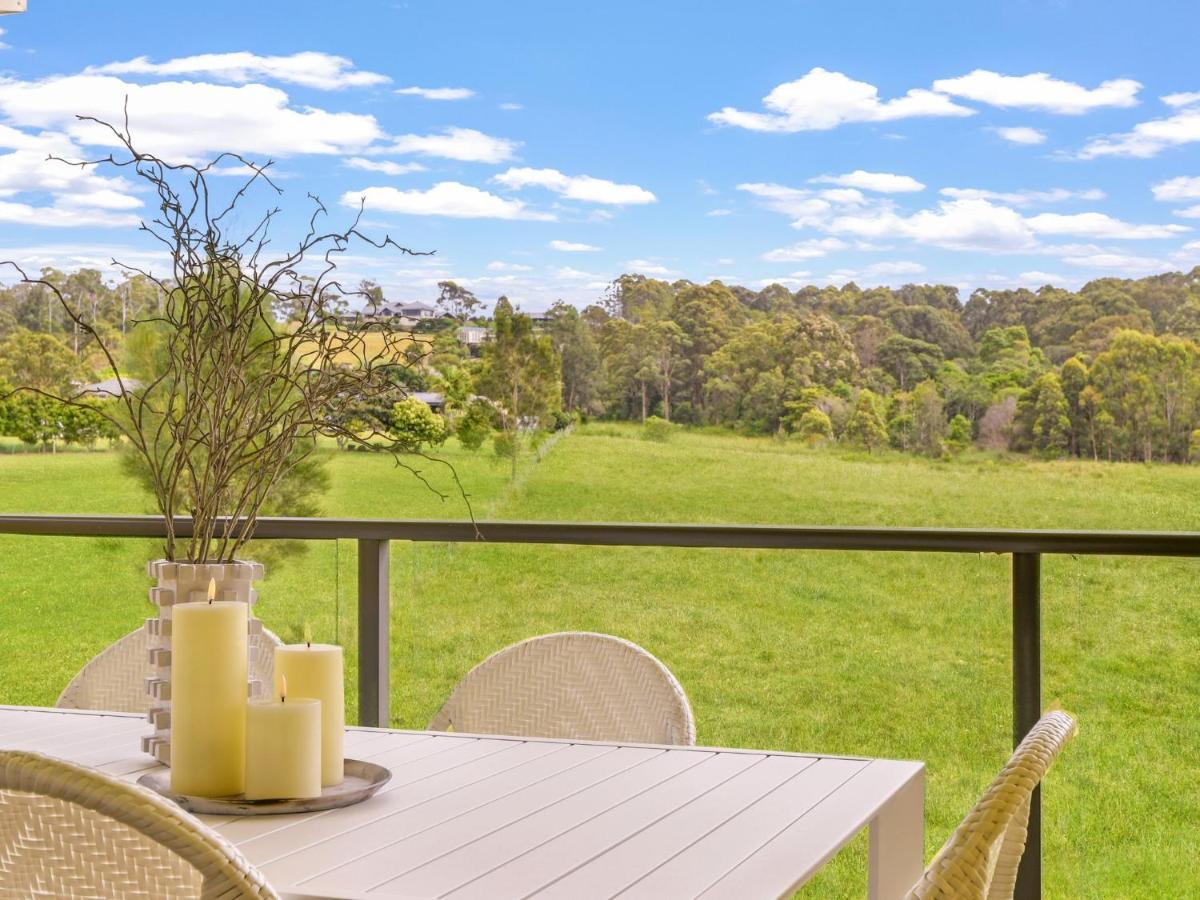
column 901, row 655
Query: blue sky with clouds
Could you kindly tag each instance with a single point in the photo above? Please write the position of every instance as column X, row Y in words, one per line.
column 544, row 148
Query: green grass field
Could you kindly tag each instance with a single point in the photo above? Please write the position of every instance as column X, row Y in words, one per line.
column 901, row 655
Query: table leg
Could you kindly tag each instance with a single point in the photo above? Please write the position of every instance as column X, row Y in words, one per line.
column 897, row 850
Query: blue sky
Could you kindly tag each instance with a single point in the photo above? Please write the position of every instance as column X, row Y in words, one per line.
column 544, row 148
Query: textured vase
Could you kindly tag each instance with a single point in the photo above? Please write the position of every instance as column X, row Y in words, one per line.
column 179, row 582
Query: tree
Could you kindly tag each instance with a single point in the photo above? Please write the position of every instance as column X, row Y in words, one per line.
column 1074, row 379
column 814, row 427
column 575, row 344
column 929, row 419
column 908, row 360
column 866, row 427
column 666, row 343
column 414, row 425
column 521, row 373
column 39, row 362
column 456, row 301
column 958, row 437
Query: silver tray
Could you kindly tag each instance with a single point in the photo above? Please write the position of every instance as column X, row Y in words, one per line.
column 362, row 779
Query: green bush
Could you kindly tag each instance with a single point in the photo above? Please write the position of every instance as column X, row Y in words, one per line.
column 415, row 425
column 475, row 424
column 657, row 429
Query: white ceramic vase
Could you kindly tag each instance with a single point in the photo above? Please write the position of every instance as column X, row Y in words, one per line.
column 180, row 582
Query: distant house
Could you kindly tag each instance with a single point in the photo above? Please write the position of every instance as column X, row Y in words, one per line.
column 417, row 311
column 473, row 335
column 109, row 387
column 433, row 399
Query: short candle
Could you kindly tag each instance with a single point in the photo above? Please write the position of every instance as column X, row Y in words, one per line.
column 315, row 670
column 283, row 748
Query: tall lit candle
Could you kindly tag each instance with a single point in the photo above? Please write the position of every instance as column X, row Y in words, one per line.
column 316, row 670
column 208, row 696
column 283, row 747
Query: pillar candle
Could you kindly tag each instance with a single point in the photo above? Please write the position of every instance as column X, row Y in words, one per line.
column 208, row 698
column 315, row 670
column 283, row 748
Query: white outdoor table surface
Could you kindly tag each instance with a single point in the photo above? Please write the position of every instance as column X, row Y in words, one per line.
column 485, row 816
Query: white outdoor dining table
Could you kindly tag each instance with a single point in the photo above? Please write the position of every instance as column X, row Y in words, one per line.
column 486, row 816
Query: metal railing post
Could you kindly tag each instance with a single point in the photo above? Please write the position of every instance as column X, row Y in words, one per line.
column 1027, row 700
column 374, row 620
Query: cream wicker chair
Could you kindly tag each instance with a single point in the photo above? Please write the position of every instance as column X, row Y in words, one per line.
column 115, row 679
column 71, row 831
column 572, row 685
column 980, row 860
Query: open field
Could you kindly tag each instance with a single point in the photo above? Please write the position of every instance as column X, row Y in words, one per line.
column 903, row 655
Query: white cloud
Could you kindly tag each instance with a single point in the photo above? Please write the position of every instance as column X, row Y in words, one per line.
column 721, row 211
column 385, row 166
column 63, row 216
column 810, row 249
column 566, row 273
column 1023, row 198
column 954, row 224
column 442, row 93
column 310, row 69
column 795, row 280
column 1148, row 138
column 463, row 144
column 894, row 267
column 1099, row 225
column 1037, row 279
column 183, row 120
column 648, row 267
column 1180, row 188
column 89, row 255
column 511, row 107
column 1118, row 262
column 572, row 247
column 822, row 100
column 1187, row 98
column 501, row 266
column 880, row 182
column 576, row 187
column 1021, row 134
column 1039, row 91
column 803, row 205
column 446, row 198
column 1189, row 212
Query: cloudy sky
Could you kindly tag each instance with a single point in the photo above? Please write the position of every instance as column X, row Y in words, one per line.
column 544, row 148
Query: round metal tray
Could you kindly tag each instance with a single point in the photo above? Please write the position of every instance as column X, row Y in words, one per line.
column 362, row 779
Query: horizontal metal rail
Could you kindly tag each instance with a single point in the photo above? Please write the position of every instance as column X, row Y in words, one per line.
column 374, row 604
column 643, row 534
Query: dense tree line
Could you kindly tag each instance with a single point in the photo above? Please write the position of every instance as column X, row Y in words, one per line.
column 1111, row 371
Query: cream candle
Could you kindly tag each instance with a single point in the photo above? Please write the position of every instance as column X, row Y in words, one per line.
column 208, row 697
column 283, row 748
column 316, row 670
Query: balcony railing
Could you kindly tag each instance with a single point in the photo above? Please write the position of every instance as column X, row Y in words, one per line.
column 374, row 606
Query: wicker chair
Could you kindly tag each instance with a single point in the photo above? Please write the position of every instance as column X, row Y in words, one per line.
column 572, row 685
column 71, row 831
column 980, row 860
column 115, row 679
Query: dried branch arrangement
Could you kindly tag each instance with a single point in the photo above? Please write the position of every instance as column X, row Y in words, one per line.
column 253, row 355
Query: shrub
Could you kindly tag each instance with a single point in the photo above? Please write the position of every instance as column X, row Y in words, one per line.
column 414, row 425
column 657, row 429
column 814, row 427
column 475, row 424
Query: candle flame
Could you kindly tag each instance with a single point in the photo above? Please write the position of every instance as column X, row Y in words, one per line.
column 283, row 689
column 212, row 589
column 308, row 634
